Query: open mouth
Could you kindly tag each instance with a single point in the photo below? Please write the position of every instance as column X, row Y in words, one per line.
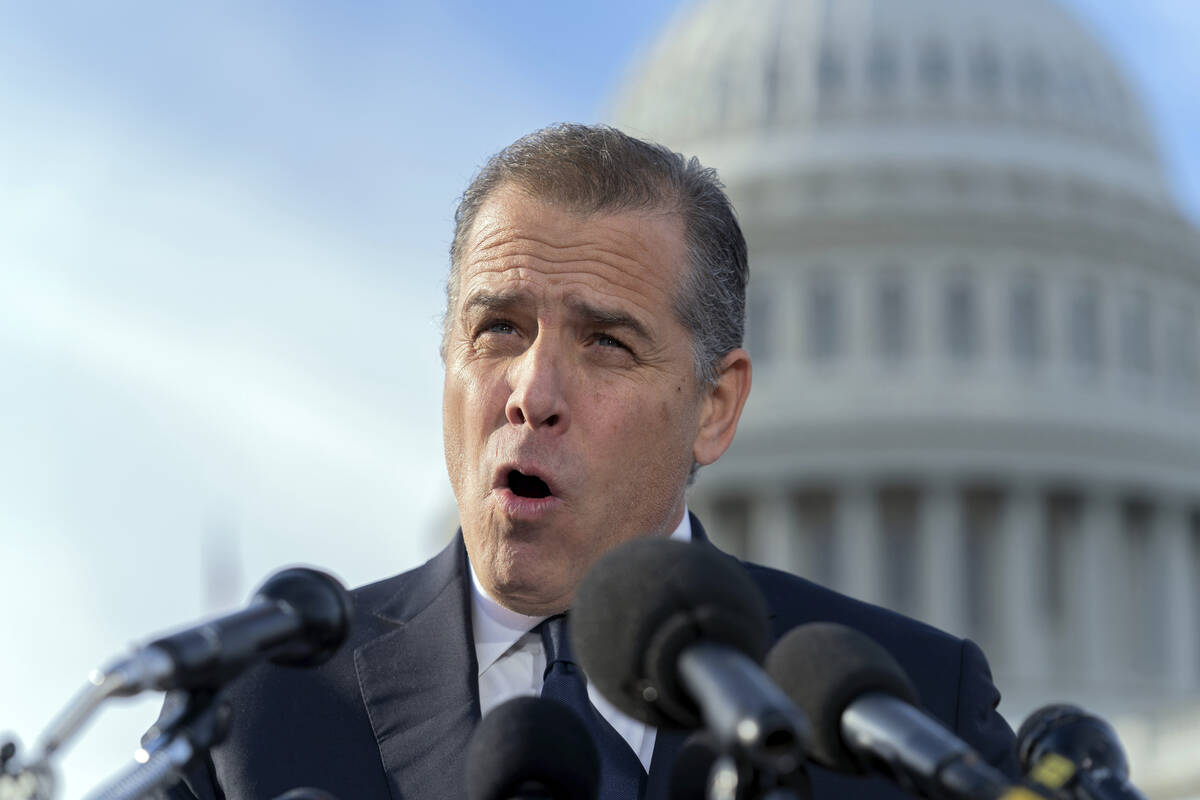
column 523, row 485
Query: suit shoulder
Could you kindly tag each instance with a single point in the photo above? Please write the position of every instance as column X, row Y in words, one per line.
column 371, row 596
column 950, row 674
column 931, row 657
column 794, row 600
column 401, row 597
column 264, row 683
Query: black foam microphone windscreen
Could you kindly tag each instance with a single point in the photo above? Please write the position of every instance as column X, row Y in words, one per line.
column 824, row 668
column 643, row 604
column 532, row 747
column 299, row 617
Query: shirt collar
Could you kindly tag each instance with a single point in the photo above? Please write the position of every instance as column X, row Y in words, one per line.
column 497, row 628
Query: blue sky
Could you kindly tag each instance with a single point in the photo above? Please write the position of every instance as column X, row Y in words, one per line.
column 222, row 246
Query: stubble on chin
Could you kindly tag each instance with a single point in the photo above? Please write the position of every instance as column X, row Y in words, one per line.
column 510, row 567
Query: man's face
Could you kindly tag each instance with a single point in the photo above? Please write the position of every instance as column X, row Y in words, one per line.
column 570, row 406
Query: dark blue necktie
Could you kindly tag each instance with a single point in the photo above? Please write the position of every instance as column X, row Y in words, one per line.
column 621, row 773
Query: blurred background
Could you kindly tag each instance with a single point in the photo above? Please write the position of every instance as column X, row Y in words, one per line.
column 973, row 313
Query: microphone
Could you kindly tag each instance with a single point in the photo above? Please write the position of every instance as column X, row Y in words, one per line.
column 863, row 710
column 673, row 634
column 531, row 748
column 702, row 771
column 1062, row 747
column 299, row 617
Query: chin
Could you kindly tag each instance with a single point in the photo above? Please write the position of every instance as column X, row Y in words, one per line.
column 523, row 577
column 535, row 598
column 539, row 607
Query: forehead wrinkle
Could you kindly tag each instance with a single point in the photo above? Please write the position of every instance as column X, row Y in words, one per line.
column 518, row 245
column 535, row 218
column 621, row 255
column 486, row 231
column 569, row 286
column 516, row 235
column 491, row 225
column 619, row 269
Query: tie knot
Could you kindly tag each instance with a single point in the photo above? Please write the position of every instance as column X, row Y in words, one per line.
column 554, row 640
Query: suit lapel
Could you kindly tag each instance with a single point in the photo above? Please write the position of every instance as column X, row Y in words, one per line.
column 700, row 536
column 419, row 681
column 666, row 747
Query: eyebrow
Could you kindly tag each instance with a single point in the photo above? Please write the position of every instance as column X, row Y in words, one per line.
column 583, row 310
column 492, row 301
column 607, row 318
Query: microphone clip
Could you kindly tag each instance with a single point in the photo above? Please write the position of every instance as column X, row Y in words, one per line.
column 191, row 722
column 19, row 781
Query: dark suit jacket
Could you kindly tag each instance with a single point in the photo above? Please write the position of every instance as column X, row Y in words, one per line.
column 389, row 717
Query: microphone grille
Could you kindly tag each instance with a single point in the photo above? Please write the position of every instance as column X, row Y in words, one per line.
column 645, row 602
column 824, row 667
column 323, row 607
column 1071, row 732
column 532, row 742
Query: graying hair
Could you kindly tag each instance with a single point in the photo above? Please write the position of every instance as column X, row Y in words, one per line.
column 597, row 168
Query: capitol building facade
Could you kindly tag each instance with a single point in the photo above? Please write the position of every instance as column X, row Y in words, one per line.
column 974, row 315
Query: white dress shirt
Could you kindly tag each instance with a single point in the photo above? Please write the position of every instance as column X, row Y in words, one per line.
column 511, row 660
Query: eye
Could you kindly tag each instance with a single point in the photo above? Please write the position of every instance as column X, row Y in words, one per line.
column 605, row 340
column 498, row 326
column 496, row 336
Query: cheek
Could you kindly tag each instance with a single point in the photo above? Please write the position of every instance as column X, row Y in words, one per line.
column 678, row 411
column 660, row 430
column 464, row 409
column 469, row 398
column 668, row 413
column 452, row 433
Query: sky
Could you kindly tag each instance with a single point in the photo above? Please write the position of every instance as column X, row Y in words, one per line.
column 223, row 230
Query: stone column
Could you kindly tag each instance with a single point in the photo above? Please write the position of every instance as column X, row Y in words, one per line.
column 994, row 290
column 1173, row 545
column 789, row 326
column 928, row 287
column 856, row 298
column 859, row 550
column 1096, row 610
column 773, row 530
column 1023, row 610
column 940, row 533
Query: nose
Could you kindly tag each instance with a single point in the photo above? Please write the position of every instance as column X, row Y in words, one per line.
column 538, row 395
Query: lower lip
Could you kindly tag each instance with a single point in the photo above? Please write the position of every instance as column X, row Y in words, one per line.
column 524, row 508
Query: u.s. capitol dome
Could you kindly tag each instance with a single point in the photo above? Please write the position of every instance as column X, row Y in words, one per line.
column 973, row 314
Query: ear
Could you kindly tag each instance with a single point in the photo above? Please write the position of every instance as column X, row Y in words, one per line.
column 722, row 407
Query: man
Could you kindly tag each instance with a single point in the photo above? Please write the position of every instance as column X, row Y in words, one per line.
column 593, row 362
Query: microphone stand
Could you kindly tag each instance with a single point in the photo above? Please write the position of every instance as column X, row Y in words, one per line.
column 20, row 781
column 191, row 722
column 735, row 776
column 36, row 779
